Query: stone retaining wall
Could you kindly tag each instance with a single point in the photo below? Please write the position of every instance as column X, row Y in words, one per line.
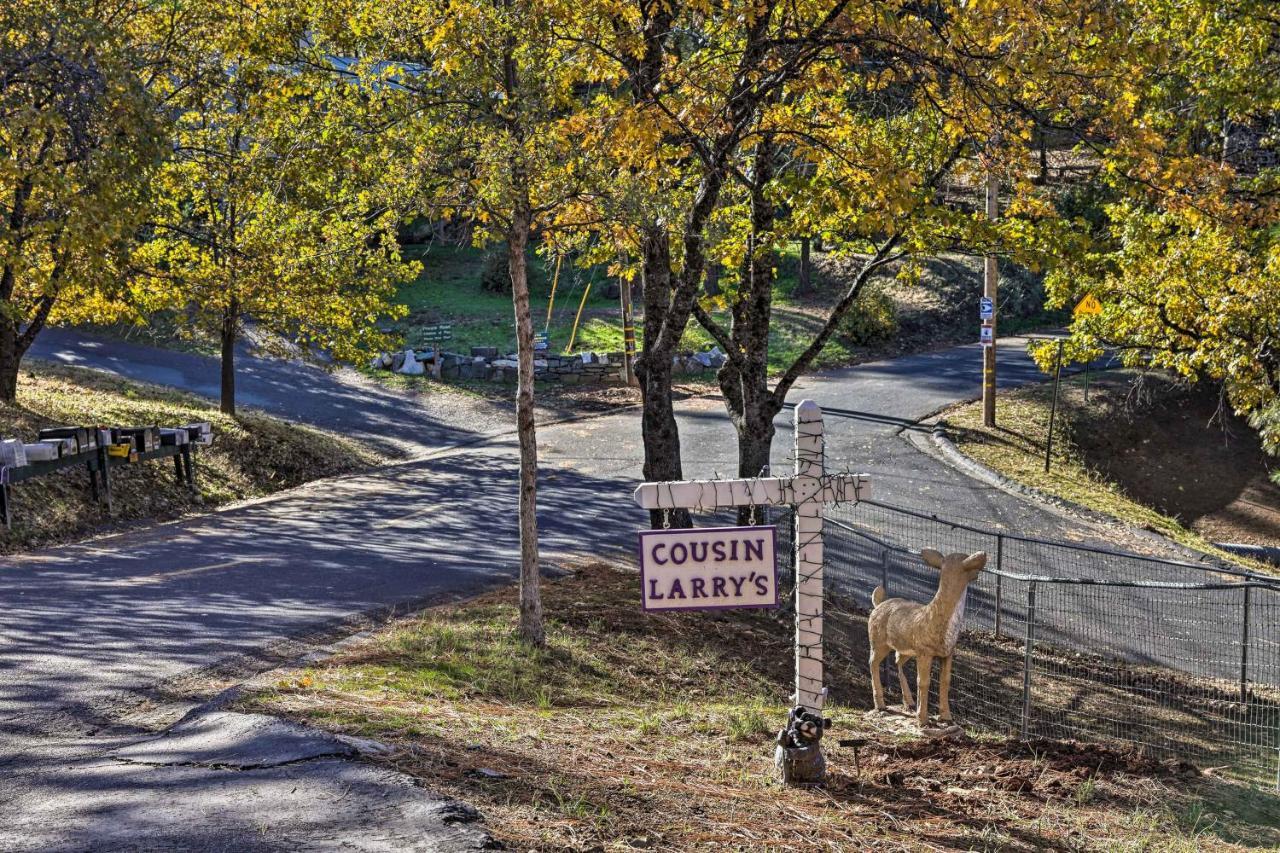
column 567, row 370
column 485, row 364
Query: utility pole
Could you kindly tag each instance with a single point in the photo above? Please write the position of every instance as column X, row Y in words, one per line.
column 990, row 286
column 1053, row 411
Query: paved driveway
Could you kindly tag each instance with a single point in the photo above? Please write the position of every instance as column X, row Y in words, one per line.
column 193, row 592
column 84, row 627
column 395, row 422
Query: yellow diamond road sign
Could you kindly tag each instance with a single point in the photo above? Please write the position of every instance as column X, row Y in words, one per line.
column 1088, row 305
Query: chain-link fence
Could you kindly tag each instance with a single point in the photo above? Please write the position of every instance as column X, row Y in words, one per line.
column 1070, row 641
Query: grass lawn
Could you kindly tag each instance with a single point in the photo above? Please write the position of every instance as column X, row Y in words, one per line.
column 448, row 290
column 635, row 731
column 251, row 455
column 1084, row 469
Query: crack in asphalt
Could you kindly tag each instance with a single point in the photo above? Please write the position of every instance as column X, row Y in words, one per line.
column 239, row 768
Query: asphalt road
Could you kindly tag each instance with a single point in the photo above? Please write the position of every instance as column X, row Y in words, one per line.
column 392, row 421
column 193, row 592
column 86, row 627
column 885, row 394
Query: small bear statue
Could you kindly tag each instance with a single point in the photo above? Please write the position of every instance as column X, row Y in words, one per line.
column 799, row 751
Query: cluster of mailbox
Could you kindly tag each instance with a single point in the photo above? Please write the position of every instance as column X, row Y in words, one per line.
column 62, row 442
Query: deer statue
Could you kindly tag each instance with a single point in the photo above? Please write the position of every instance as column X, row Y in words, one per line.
column 922, row 631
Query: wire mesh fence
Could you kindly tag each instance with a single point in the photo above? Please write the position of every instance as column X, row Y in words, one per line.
column 1069, row 641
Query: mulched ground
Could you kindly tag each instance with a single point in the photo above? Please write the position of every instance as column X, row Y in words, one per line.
column 957, row 769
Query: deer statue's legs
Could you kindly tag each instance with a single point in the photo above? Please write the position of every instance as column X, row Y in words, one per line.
column 877, row 688
column 924, row 663
column 944, row 689
column 900, row 663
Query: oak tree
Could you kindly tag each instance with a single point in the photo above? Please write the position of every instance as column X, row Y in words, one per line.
column 879, row 146
column 79, row 137
column 1185, row 251
column 271, row 208
column 685, row 85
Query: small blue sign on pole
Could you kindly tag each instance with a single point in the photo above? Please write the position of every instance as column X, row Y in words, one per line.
column 986, row 308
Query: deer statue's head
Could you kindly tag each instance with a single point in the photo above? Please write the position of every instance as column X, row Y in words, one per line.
column 957, row 570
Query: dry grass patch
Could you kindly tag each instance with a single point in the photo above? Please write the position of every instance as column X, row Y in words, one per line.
column 1016, row 448
column 635, row 731
column 251, row 455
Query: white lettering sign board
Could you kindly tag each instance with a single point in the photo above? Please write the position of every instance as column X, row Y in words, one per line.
column 709, row 568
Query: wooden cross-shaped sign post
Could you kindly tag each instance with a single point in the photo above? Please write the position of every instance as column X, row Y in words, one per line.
column 808, row 491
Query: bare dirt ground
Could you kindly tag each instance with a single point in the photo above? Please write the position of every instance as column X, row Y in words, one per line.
column 1143, row 448
column 1180, row 450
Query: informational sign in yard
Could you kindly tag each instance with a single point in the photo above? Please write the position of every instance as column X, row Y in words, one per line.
column 807, row 491
column 986, row 307
column 709, row 568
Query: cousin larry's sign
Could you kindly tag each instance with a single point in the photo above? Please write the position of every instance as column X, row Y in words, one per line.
column 709, row 568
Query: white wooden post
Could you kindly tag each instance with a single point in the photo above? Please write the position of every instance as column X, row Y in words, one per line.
column 808, row 491
column 807, row 484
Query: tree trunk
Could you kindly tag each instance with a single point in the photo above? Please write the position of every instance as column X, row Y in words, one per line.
column 230, row 323
column 628, row 333
column 10, row 361
column 10, row 350
column 745, row 380
column 752, row 409
column 803, row 280
column 659, row 433
column 14, row 343
column 531, row 626
column 755, row 439
column 532, row 630
column 15, row 340
column 712, row 283
column 745, row 383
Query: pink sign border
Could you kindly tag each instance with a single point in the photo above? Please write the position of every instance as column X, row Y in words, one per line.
column 777, row 596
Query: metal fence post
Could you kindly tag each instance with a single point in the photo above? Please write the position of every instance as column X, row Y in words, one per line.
column 1026, row 662
column 1244, row 649
column 1053, row 410
column 999, row 579
column 884, row 570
